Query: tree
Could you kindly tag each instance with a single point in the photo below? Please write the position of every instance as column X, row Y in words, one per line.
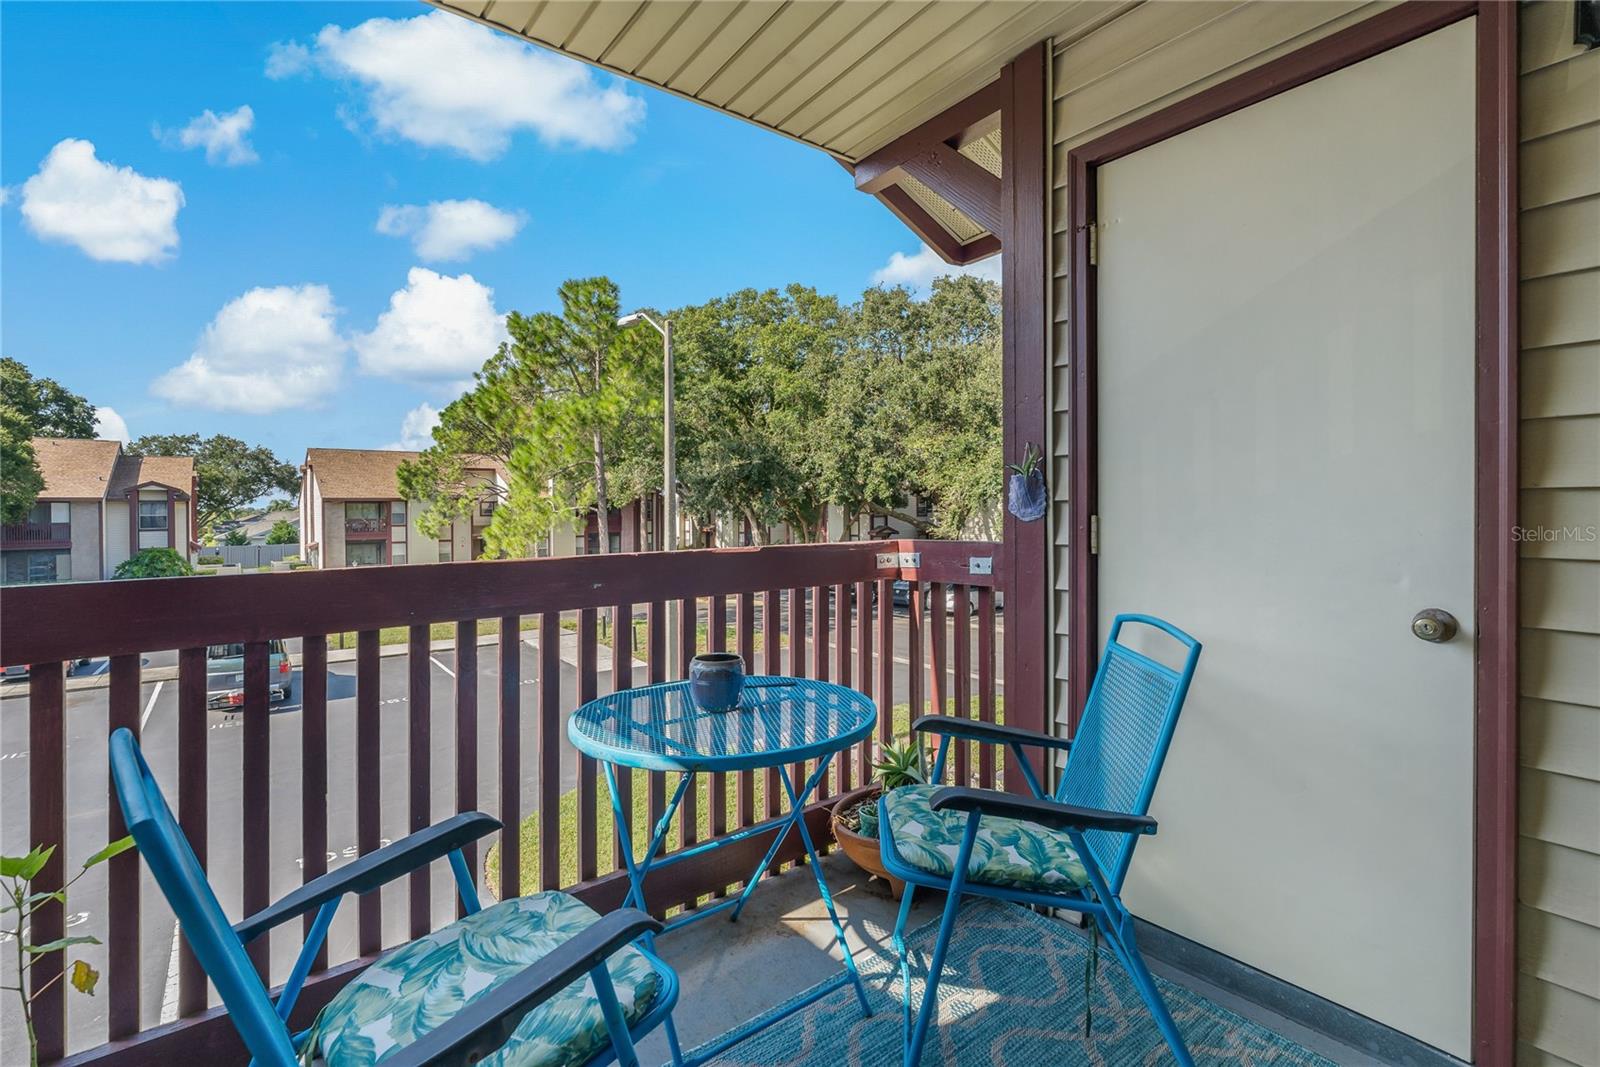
column 47, row 407
column 915, row 407
column 567, row 406
column 32, row 407
column 755, row 368
column 153, row 563
column 235, row 537
column 231, row 473
column 20, row 479
column 283, row 533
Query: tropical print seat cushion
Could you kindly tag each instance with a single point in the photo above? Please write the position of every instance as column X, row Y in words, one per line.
column 1006, row 852
column 416, row 988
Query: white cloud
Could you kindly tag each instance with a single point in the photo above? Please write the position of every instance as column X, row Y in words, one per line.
column 5, row 195
column 225, row 137
column 450, row 229
column 265, row 351
column 437, row 327
column 109, row 426
column 443, row 82
column 917, row 271
column 416, row 429
column 285, row 59
column 109, row 212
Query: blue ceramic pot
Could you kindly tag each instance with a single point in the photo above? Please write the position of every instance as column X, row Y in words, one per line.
column 715, row 681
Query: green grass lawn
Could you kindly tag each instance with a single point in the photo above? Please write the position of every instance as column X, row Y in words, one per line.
column 439, row 631
column 605, row 822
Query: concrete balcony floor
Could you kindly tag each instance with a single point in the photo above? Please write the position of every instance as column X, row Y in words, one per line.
column 783, row 944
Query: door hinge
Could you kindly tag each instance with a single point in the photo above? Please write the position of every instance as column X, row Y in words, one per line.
column 1094, row 244
column 1094, row 535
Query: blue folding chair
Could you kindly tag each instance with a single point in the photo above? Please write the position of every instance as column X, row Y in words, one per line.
column 1070, row 851
column 510, row 977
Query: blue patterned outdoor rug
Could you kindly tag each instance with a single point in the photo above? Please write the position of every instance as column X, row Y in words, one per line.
column 1012, row 994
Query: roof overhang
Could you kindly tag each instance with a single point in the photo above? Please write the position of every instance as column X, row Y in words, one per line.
column 852, row 79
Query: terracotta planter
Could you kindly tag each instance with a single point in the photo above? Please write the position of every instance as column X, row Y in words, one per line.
column 863, row 851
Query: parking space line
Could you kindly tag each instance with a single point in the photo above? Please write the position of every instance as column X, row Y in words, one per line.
column 150, row 705
column 441, row 666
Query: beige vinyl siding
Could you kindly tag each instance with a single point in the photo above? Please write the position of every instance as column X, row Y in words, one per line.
column 1559, row 815
column 1155, row 54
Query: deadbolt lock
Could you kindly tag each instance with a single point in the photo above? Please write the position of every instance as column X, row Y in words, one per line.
column 1434, row 624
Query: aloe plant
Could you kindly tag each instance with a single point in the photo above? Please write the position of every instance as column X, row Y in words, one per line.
column 900, row 765
column 17, row 897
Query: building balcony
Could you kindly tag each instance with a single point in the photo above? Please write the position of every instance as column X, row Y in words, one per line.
column 366, row 527
column 36, row 535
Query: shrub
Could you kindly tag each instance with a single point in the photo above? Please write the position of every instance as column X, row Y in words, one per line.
column 283, row 533
column 210, row 561
column 153, row 563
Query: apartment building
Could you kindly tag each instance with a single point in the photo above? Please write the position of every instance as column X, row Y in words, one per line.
column 98, row 507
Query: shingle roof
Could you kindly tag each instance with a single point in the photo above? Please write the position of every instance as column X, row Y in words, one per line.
column 75, row 470
column 174, row 472
column 358, row 473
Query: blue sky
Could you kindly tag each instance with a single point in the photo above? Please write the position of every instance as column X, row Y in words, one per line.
column 225, row 272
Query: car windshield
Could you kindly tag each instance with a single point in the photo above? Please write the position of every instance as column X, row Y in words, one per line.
column 237, row 651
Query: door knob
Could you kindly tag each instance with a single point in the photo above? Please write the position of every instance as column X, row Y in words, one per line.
column 1434, row 624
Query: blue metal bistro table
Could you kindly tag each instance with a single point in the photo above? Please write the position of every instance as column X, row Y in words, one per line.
column 779, row 721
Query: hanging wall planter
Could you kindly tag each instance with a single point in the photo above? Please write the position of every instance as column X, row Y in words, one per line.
column 1027, row 497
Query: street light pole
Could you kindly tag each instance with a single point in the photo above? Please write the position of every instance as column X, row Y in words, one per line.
column 668, row 538
column 669, row 444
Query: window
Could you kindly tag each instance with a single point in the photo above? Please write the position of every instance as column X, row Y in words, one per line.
column 397, row 512
column 152, row 514
column 24, row 567
column 924, row 507
column 399, row 552
column 39, row 515
column 486, row 507
column 364, row 509
column 542, row 549
column 364, row 553
column 446, row 551
column 60, row 511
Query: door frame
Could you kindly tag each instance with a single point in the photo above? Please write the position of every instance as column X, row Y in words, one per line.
column 1495, row 435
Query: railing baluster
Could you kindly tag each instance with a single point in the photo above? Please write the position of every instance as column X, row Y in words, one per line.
column 510, row 757
column 797, row 658
column 864, row 592
column 314, row 772
column 717, row 641
column 588, row 770
column 914, row 653
column 255, row 868
column 122, row 872
column 369, row 796
column 772, row 663
column 961, row 678
column 192, row 793
column 656, row 669
column 938, row 620
column 841, row 639
column 622, row 678
column 689, row 810
column 47, row 826
column 986, row 754
column 885, row 660
column 747, row 649
column 549, row 725
column 420, row 758
column 467, row 737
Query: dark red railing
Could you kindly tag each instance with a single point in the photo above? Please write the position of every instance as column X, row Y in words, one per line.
column 39, row 534
column 832, row 602
column 366, row 526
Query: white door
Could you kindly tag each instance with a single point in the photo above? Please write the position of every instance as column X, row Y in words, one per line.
column 1285, row 366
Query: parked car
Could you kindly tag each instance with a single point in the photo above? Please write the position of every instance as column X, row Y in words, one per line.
column 225, row 675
